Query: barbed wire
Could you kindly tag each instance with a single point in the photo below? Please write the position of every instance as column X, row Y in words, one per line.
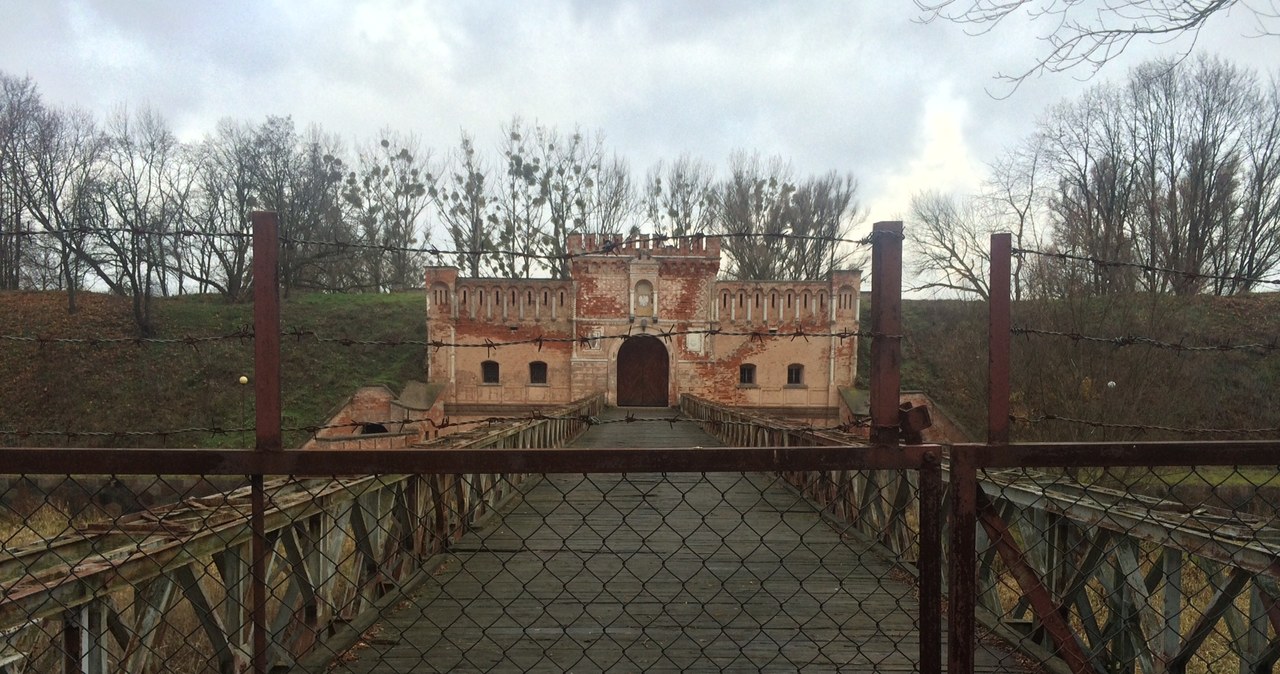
column 1271, row 430
column 302, row 334
column 859, row 421
column 1102, row 262
column 609, row 246
column 242, row 334
column 1135, row 340
column 134, row 231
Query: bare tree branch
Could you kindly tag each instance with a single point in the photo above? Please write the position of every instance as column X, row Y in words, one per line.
column 1089, row 33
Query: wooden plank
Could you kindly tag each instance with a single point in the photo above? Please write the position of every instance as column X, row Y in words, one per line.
column 655, row 572
column 150, row 604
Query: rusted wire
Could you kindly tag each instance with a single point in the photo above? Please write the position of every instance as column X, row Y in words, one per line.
column 609, row 247
column 1102, row 262
column 859, row 421
column 301, row 334
column 1270, row 430
column 242, row 334
column 1267, row 348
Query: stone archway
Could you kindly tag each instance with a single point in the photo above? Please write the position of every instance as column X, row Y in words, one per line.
column 643, row 372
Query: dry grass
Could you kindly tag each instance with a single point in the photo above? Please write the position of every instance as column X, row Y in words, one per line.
column 1214, row 655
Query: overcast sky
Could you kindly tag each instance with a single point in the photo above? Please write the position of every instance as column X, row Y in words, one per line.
column 859, row 87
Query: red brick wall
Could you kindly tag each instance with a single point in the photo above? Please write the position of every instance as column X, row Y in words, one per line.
column 688, row 297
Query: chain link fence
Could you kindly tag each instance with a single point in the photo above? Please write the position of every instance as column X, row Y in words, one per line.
column 1135, row 569
column 398, row 573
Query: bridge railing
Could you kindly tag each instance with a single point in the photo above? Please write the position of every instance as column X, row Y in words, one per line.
column 89, row 586
column 883, row 505
column 1110, row 556
column 1151, row 557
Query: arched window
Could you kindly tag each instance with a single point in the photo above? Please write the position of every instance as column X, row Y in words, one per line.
column 795, row 374
column 489, row 372
column 537, row 372
column 746, row 374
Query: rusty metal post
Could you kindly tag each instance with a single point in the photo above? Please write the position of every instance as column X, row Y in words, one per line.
column 267, row 408
column 886, row 324
column 930, row 564
column 266, row 329
column 963, row 577
column 998, row 335
column 964, row 478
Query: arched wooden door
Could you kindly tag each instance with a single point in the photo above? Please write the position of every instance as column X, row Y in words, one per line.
column 643, row 368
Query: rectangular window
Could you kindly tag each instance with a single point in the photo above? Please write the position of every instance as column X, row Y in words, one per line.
column 747, row 375
column 795, row 375
column 489, row 372
column 537, row 372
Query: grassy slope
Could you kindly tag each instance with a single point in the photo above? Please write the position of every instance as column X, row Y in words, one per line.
column 147, row 387
column 945, row 354
column 132, row 387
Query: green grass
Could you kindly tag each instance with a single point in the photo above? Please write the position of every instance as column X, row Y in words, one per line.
column 945, row 354
column 131, row 387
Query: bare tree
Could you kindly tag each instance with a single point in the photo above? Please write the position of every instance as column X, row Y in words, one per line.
column 1093, row 176
column 824, row 209
column 57, row 164
column 18, row 102
column 678, row 197
column 1172, row 173
column 1012, row 194
column 225, row 196
column 950, row 240
column 134, row 203
column 300, row 177
column 1254, row 248
column 753, row 215
column 611, row 201
column 390, row 197
column 320, row 217
column 465, row 204
column 520, row 200
column 570, row 167
column 1084, row 34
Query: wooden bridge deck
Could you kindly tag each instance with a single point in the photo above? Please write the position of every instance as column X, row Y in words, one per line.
column 652, row 572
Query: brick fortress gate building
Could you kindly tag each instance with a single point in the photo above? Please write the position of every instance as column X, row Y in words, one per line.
column 616, row 306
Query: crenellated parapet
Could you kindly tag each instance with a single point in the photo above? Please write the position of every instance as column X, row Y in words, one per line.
column 778, row 302
column 505, row 300
column 644, row 244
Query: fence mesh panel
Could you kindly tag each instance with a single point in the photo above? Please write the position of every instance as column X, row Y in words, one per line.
column 397, row 573
column 1142, row 569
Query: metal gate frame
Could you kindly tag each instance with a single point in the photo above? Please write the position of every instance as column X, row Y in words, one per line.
column 268, row 458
